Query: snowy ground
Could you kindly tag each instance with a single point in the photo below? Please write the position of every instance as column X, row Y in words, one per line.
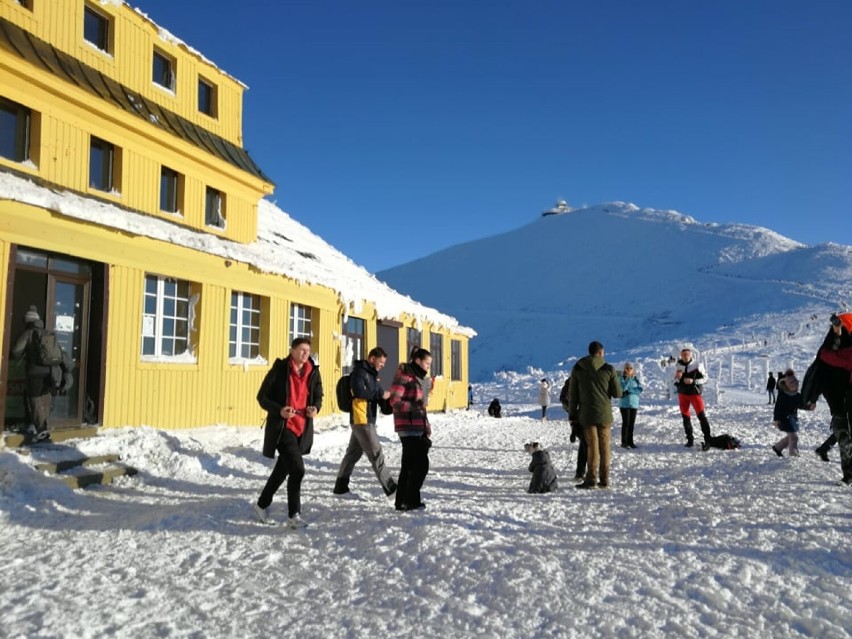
column 685, row 543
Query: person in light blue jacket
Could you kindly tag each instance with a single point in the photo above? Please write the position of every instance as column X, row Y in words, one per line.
column 631, row 388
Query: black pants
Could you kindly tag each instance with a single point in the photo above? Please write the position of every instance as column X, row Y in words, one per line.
column 290, row 466
column 412, row 471
column 628, row 421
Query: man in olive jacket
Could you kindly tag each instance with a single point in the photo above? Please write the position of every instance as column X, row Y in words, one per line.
column 593, row 385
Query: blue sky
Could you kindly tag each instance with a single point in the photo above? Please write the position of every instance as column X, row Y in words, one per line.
column 395, row 128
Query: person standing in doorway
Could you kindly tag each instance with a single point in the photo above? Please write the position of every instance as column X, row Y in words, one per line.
column 48, row 372
column 291, row 394
column 594, row 384
column 411, row 424
column 366, row 394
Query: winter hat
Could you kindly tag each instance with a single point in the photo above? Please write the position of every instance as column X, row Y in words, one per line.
column 846, row 320
column 31, row 316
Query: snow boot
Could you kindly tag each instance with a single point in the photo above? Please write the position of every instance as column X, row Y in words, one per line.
column 822, row 453
column 687, row 428
column 341, row 486
column 705, row 425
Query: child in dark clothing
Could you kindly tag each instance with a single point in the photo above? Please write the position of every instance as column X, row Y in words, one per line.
column 544, row 476
column 785, row 415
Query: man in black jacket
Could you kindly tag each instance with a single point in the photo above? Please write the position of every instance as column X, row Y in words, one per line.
column 366, row 395
column 291, row 394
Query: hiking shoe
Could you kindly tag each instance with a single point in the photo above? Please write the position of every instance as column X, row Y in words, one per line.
column 589, row 483
column 295, row 522
column 822, row 454
column 262, row 515
column 776, row 451
column 689, row 443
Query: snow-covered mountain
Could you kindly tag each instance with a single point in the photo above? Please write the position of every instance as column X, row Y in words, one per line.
column 621, row 274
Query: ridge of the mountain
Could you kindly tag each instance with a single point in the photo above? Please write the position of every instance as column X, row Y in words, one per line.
column 621, row 274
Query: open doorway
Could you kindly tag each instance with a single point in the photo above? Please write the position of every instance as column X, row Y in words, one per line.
column 69, row 295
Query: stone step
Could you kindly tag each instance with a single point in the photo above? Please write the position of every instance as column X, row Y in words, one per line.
column 16, row 440
column 55, row 468
column 81, row 476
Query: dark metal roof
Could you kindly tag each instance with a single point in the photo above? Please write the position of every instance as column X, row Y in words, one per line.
column 43, row 54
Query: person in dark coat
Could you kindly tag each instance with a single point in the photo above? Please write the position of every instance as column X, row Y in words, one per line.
column 785, row 415
column 543, row 474
column 594, row 384
column 829, row 381
column 42, row 382
column 836, row 356
column 494, row 408
column 291, row 394
column 411, row 424
column 366, row 395
column 770, row 388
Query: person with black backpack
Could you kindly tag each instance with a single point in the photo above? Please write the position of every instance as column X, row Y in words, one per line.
column 366, row 394
column 48, row 372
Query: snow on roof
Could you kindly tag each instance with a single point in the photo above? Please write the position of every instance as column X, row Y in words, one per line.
column 167, row 36
column 284, row 247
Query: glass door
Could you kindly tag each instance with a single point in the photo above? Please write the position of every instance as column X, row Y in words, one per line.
column 69, row 318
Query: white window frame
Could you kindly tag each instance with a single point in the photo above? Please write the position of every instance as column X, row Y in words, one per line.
column 247, row 306
column 154, row 324
column 301, row 321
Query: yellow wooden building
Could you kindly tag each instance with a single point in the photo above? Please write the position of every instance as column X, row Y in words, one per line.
column 133, row 219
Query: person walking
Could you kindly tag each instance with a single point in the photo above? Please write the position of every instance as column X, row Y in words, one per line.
column 291, row 394
column 628, row 405
column 593, row 384
column 544, row 396
column 689, row 380
column 770, row 388
column 829, row 381
column 48, row 372
column 785, row 415
column 366, row 394
column 836, row 356
column 411, row 424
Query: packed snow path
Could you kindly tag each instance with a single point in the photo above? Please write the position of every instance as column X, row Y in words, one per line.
column 688, row 544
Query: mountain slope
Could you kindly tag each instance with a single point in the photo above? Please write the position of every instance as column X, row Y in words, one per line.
column 624, row 275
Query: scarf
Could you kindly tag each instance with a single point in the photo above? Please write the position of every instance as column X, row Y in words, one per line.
column 298, row 396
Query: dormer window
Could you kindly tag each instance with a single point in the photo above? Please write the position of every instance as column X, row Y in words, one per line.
column 15, row 122
column 214, row 208
column 164, row 70
column 207, row 97
column 96, row 29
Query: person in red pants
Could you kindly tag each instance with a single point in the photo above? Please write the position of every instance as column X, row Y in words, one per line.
column 689, row 380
